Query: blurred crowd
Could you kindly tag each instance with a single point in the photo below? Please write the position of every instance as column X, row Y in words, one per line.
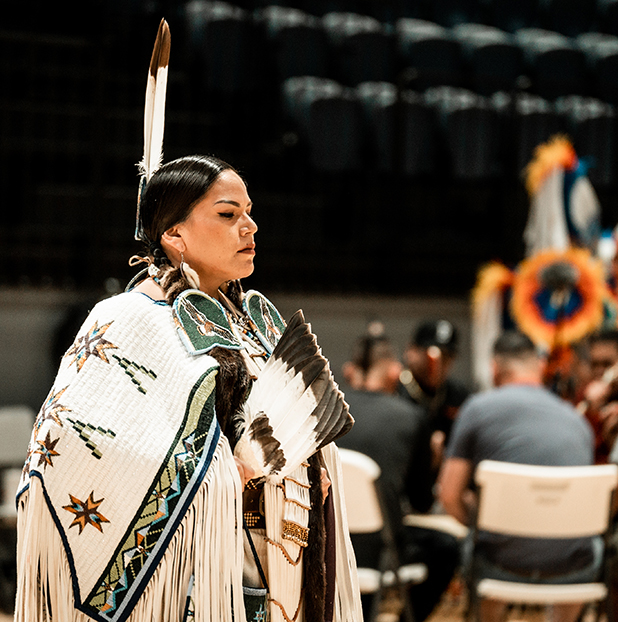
column 428, row 431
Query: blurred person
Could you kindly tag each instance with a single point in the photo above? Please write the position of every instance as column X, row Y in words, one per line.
column 603, row 352
column 580, row 371
column 395, row 433
column 425, row 380
column 600, row 396
column 519, row 421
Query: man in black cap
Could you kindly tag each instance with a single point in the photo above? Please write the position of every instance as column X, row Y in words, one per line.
column 429, row 358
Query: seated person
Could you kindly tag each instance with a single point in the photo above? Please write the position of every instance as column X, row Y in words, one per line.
column 425, row 380
column 521, row 422
column 394, row 432
column 600, row 402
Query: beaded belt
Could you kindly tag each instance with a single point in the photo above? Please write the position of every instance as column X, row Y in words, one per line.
column 253, row 505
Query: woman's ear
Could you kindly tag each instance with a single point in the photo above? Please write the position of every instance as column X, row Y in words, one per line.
column 173, row 244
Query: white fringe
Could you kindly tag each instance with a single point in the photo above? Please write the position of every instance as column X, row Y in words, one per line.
column 347, row 592
column 206, row 543
column 285, row 581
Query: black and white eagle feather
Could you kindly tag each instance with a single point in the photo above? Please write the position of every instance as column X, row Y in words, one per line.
column 295, row 406
column 154, row 114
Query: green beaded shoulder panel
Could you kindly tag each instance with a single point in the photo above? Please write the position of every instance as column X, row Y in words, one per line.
column 264, row 315
column 202, row 322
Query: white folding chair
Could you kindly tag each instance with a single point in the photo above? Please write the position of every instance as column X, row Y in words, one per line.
column 15, row 430
column 544, row 502
column 366, row 515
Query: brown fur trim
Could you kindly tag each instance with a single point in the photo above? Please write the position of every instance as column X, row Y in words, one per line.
column 314, row 575
column 234, row 292
column 232, row 387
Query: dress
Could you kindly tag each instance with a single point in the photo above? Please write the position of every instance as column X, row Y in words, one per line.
column 395, row 434
column 525, row 424
column 129, row 506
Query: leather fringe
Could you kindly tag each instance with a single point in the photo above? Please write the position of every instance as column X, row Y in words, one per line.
column 206, row 545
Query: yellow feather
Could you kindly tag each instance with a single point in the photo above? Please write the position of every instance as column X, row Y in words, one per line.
column 492, row 277
column 557, row 152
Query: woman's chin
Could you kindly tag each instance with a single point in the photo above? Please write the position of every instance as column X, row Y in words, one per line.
column 248, row 271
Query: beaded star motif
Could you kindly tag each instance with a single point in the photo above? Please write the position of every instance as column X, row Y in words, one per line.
column 91, row 343
column 86, row 512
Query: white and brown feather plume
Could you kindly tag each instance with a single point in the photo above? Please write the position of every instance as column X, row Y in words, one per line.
column 295, row 406
column 154, row 111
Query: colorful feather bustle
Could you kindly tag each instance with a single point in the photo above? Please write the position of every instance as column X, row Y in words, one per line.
column 488, row 307
column 558, row 152
column 154, row 113
column 492, row 277
column 558, row 297
column 564, row 208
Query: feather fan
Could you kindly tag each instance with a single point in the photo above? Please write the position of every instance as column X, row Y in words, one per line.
column 154, row 113
column 295, row 406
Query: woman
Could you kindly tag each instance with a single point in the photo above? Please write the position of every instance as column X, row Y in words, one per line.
column 130, row 504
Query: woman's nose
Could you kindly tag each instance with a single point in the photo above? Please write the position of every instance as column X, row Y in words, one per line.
column 248, row 226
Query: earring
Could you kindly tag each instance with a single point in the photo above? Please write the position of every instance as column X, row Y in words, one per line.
column 153, row 271
column 189, row 273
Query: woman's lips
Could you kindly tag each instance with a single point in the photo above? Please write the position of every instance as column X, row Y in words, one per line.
column 248, row 250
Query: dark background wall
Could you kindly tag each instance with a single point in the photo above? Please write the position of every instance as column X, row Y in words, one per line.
column 340, row 208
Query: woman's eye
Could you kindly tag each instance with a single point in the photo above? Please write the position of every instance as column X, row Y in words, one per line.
column 228, row 215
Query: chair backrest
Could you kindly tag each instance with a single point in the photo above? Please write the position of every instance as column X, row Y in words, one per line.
column 360, row 473
column 544, row 501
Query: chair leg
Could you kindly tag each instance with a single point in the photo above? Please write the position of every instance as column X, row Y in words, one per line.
column 407, row 615
column 376, row 601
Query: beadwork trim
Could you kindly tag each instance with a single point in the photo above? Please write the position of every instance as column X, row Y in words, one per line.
column 285, row 553
column 295, row 532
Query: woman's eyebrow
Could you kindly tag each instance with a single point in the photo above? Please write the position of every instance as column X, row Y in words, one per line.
column 230, row 202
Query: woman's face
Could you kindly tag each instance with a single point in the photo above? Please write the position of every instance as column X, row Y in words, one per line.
column 216, row 239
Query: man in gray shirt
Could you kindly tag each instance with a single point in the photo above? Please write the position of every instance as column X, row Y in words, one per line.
column 521, row 422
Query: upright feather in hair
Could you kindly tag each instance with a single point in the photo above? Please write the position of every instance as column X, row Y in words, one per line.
column 154, row 113
column 295, row 406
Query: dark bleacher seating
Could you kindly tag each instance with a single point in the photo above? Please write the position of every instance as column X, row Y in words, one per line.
column 378, row 104
column 493, row 59
column 511, row 16
column 430, row 50
column 569, row 17
column 592, row 125
column 601, row 51
column 607, row 16
column 68, row 149
column 470, row 129
column 532, row 119
column 555, row 64
column 297, row 41
column 362, row 49
column 221, row 37
column 418, row 132
column 399, row 129
column 452, row 12
column 329, row 121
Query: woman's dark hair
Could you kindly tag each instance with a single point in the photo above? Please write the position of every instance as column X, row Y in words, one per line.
column 167, row 200
column 173, row 191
